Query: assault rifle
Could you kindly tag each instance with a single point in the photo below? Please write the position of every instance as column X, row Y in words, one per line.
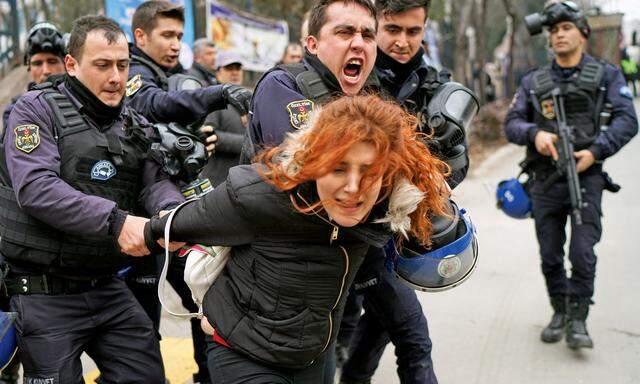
column 566, row 163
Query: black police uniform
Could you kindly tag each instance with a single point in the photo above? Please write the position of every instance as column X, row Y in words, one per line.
column 77, row 167
column 586, row 88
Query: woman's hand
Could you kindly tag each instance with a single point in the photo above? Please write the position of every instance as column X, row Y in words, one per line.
column 206, row 327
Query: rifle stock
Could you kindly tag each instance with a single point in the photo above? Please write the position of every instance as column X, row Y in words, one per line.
column 566, row 163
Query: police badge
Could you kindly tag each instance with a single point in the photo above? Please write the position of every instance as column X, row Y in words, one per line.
column 134, row 84
column 299, row 112
column 547, row 109
column 27, row 137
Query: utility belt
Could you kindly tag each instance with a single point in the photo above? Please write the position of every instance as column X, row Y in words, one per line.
column 546, row 174
column 51, row 285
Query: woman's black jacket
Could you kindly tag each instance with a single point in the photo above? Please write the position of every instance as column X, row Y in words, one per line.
column 281, row 296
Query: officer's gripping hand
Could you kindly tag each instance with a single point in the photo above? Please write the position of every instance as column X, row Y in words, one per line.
column 239, row 97
column 545, row 144
column 211, row 138
column 131, row 239
column 585, row 159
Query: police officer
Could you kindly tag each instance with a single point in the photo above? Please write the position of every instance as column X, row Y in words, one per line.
column 204, row 61
column 78, row 176
column 157, row 28
column 341, row 51
column 43, row 57
column 405, row 76
column 587, row 85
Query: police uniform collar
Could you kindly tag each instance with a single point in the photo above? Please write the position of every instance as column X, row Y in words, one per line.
column 328, row 78
column 400, row 70
column 89, row 104
column 138, row 52
column 566, row 72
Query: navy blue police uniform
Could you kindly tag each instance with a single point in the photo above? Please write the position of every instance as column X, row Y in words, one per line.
column 74, row 175
column 588, row 88
column 148, row 93
column 282, row 101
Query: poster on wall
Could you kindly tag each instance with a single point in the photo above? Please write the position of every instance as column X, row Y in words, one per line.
column 259, row 41
column 122, row 12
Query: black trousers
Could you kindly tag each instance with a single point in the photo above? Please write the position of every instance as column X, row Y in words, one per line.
column 107, row 323
column 392, row 313
column 230, row 367
column 551, row 208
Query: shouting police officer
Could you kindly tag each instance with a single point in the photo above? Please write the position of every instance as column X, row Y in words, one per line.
column 586, row 86
column 76, row 157
column 341, row 51
column 43, row 57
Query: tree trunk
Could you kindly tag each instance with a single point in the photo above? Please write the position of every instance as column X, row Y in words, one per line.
column 511, row 81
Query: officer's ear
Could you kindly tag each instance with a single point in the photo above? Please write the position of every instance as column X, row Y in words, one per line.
column 71, row 65
column 312, row 45
column 139, row 37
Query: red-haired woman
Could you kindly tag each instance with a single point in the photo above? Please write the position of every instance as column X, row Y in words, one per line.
column 299, row 223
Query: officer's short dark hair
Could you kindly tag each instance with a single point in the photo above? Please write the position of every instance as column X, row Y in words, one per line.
column 85, row 24
column 394, row 7
column 318, row 16
column 146, row 15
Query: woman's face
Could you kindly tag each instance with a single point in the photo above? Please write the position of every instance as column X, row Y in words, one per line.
column 340, row 189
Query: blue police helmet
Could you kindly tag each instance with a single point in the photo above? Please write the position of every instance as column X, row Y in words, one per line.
column 513, row 199
column 8, row 342
column 450, row 261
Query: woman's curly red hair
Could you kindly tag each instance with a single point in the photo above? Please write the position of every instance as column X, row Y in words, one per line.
column 401, row 153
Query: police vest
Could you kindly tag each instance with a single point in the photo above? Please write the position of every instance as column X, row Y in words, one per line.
column 93, row 162
column 583, row 99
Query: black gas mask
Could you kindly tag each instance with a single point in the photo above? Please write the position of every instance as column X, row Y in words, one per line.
column 182, row 155
column 555, row 13
column 446, row 118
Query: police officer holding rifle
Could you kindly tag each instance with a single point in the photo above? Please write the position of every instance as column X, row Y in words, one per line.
column 557, row 113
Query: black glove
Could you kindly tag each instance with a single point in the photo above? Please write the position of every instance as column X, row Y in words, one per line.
column 239, row 97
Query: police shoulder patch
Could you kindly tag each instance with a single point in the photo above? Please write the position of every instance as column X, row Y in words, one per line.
column 299, row 112
column 626, row 92
column 27, row 137
column 103, row 170
column 134, row 84
column 547, row 108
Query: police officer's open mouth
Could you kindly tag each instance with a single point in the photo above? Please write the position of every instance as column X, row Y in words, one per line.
column 353, row 68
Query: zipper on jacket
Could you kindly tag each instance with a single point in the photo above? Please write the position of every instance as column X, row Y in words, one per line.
column 344, row 278
column 334, row 234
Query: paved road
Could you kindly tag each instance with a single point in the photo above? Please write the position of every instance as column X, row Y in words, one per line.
column 487, row 330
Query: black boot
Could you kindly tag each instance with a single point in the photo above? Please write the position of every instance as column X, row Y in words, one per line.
column 553, row 332
column 577, row 335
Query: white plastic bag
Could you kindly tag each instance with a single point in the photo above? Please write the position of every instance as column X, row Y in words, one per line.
column 203, row 266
